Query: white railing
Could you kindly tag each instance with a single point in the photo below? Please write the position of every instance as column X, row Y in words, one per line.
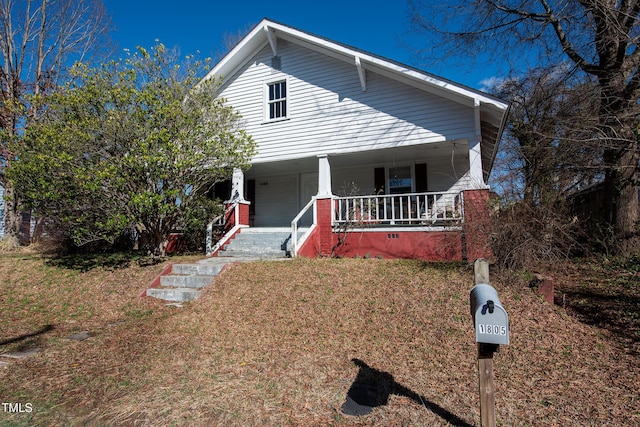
column 401, row 209
column 294, row 227
column 220, row 221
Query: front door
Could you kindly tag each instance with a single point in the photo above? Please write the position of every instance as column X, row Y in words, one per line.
column 308, row 189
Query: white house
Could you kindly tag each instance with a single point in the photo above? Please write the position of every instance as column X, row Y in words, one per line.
column 387, row 148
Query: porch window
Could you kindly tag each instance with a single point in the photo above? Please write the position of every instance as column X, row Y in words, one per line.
column 277, row 100
column 400, row 181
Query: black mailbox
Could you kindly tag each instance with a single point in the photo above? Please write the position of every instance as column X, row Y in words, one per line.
column 489, row 317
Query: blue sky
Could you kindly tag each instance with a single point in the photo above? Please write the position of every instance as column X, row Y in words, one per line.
column 377, row 26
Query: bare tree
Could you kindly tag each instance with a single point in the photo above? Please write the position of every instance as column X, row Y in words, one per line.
column 547, row 150
column 39, row 39
column 546, row 155
column 598, row 38
column 231, row 40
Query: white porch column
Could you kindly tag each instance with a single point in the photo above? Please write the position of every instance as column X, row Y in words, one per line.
column 324, row 176
column 475, row 165
column 237, row 186
column 475, row 153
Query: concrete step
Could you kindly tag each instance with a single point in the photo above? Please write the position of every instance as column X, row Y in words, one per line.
column 261, row 243
column 252, row 253
column 256, row 247
column 251, row 241
column 252, row 244
column 174, row 294
column 186, row 281
column 196, row 269
column 256, row 239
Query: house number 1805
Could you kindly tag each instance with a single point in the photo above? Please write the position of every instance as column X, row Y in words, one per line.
column 492, row 329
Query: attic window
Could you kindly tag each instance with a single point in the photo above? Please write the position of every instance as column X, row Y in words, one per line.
column 277, row 100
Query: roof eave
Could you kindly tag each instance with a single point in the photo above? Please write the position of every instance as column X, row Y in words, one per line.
column 267, row 32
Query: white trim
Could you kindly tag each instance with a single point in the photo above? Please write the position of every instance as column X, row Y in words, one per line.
column 361, row 74
column 303, row 238
column 476, row 114
column 265, row 35
column 278, row 78
column 476, row 176
column 402, row 228
column 223, row 241
column 324, row 176
column 273, row 40
column 412, row 172
column 237, row 186
column 258, row 38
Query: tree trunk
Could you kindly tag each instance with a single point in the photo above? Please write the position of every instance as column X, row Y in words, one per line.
column 158, row 240
column 12, row 217
column 621, row 156
column 621, row 195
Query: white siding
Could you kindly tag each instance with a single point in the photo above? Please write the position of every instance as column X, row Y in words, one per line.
column 443, row 174
column 276, row 200
column 329, row 113
column 448, row 173
column 353, row 181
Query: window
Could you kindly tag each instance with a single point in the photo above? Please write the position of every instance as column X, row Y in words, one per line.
column 400, row 181
column 277, row 100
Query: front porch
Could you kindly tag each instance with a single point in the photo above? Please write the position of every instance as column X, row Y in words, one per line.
column 429, row 226
column 407, row 202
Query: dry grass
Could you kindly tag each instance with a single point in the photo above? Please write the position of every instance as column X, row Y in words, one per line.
column 273, row 343
column 9, row 244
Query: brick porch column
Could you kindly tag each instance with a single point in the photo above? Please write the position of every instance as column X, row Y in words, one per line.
column 242, row 213
column 237, row 196
column 324, row 220
column 477, row 224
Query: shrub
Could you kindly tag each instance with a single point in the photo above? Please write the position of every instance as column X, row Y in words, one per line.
column 196, row 219
column 523, row 235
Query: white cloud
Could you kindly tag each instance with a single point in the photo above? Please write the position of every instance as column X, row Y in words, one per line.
column 491, row 84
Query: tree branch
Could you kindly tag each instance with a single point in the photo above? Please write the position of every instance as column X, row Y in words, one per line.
column 573, row 55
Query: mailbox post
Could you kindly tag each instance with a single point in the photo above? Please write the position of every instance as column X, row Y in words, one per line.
column 491, row 324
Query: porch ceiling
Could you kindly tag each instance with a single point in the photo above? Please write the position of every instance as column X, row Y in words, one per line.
column 419, row 153
column 375, row 157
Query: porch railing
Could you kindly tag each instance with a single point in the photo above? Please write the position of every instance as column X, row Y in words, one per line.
column 295, row 242
column 401, row 209
column 219, row 223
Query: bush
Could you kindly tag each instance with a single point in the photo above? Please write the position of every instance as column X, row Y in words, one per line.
column 195, row 221
column 523, row 235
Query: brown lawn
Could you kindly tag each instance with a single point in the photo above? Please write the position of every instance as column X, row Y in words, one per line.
column 282, row 343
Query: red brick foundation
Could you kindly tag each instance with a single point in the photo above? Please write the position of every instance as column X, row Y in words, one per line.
column 422, row 244
column 471, row 242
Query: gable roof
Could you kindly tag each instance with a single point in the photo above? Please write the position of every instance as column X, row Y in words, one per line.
column 491, row 112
